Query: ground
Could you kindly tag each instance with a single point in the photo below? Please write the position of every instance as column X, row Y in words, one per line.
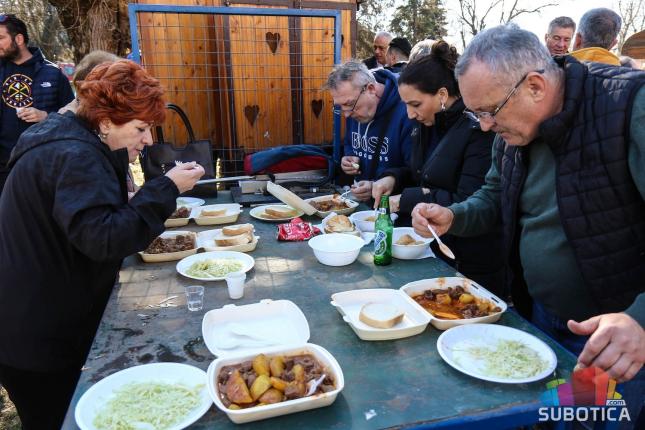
column 8, row 417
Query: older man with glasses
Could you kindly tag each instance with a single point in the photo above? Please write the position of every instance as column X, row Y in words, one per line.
column 568, row 183
column 378, row 131
column 31, row 87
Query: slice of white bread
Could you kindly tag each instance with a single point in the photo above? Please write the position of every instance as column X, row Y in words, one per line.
column 380, row 315
column 240, row 239
column 234, row 230
column 279, row 212
column 339, row 224
column 214, row 212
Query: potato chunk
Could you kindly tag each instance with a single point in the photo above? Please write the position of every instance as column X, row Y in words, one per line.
column 260, row 385
column 271, row 396
column 236, row 389
column 261, row 365
column 276, row 366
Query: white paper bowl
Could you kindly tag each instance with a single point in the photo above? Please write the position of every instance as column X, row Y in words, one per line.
column 256, row 413
column 336, row 249
column 358, row 220
column 408, row 252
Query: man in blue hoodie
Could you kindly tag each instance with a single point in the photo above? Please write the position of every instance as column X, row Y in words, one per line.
column 378, row 131
column 31, row 87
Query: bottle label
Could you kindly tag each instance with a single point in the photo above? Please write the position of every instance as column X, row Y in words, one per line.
column 380, row 243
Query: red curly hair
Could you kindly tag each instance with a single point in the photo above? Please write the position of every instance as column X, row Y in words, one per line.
column 120, row 92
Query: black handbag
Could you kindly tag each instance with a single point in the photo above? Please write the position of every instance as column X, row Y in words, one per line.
column 157, row 159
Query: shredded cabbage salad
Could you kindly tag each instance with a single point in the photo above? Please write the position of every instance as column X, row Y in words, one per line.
column 215, row 268
column 148, row 405
column 509, row 359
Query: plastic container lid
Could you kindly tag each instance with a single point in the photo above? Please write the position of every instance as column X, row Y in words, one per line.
column 290, row 198
column 240, row 330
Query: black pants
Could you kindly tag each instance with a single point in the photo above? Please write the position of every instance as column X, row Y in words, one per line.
column 41, row 398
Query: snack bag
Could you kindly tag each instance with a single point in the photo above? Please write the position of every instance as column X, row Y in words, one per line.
column 297, row 230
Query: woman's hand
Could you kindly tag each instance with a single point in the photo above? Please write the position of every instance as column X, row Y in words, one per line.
column 382, row 186
column 438, row 217
column 395, row 203
column 185, row 175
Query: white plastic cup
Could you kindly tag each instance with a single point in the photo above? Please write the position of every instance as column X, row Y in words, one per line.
column 194, row 297
column 235, row 284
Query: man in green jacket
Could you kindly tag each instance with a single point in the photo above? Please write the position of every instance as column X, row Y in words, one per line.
column 568, row 184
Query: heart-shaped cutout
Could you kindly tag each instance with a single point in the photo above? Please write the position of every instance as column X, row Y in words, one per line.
column 251, row 113
column 316, row 106
column 273, row 40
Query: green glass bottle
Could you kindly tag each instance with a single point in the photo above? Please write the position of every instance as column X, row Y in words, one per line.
column 383, row 237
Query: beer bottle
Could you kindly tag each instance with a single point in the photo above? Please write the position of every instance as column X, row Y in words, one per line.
column 383, row 237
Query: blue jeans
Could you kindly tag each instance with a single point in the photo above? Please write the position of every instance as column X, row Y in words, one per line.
column 633, row 391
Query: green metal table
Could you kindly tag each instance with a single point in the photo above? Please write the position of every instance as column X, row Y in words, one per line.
column 388, row 384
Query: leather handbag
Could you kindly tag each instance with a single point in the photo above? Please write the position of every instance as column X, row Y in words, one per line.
column 157, row 159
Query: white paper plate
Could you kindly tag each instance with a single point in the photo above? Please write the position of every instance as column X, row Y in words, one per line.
column 183, row 265
column 189, row 202
column 257, row 212
column 98, row 394
column 452, row 345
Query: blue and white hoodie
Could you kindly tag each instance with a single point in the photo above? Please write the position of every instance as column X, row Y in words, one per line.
column 361, row 139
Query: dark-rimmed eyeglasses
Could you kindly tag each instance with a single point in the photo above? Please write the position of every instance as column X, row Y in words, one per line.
column 338, row 110
column 490, row 116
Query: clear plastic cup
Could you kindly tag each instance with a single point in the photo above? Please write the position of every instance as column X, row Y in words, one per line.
column 235, row 284
column 195, row 297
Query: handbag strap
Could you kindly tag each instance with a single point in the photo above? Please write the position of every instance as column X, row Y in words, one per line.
column 184, row 119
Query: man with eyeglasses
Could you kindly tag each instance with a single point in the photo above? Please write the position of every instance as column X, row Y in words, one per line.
column 568, row 183
column 597, row 34
column 31, row 87
column 381, row 45
column 560, row 34
column 377, row 128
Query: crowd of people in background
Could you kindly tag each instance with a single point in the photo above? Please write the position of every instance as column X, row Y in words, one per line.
column 527, row 155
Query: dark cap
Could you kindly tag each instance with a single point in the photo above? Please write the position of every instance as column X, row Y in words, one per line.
column 402, row 44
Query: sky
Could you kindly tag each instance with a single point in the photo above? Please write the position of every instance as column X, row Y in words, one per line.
column 537, row 23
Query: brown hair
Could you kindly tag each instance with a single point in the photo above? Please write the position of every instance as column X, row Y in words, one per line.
column 120, row 92
column 90, row 61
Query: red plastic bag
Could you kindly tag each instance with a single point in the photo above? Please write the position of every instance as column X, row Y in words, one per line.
column 297, row 230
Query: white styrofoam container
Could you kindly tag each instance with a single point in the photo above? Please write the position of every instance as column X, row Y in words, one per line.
column 232, row 212
column 418, row 287
column 256, row 413
column 285, row 323
column 349, row 304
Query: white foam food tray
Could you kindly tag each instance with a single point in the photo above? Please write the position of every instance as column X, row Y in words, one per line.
column 256, row 413
column 206, row 241
column 170, row 256
column 352, row 205
column 349, row 304
column 418, row 287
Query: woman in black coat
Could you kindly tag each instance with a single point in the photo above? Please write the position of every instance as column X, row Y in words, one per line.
column 449, row 160
column 65, row 226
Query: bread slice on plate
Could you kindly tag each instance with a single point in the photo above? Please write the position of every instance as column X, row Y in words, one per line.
column 240, row 239
column 277, row 212
column 234, row 230
column 380, row 315
column 214, row 212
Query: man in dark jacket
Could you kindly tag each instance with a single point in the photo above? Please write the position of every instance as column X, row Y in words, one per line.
column 31, row 87
column 378, row 130
column 381, row 44
column 568, row 184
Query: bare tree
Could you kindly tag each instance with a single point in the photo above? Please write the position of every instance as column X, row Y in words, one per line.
column 95, row 24
column 633, row 14
column 43, row 25
column 473, row 19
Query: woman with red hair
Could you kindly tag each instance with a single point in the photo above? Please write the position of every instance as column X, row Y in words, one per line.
column 65, row 226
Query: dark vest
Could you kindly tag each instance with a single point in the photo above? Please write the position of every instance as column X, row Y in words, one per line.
column 601, row 210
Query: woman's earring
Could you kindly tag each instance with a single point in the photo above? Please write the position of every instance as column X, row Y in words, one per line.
column 443, row 107
column 102, row 136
